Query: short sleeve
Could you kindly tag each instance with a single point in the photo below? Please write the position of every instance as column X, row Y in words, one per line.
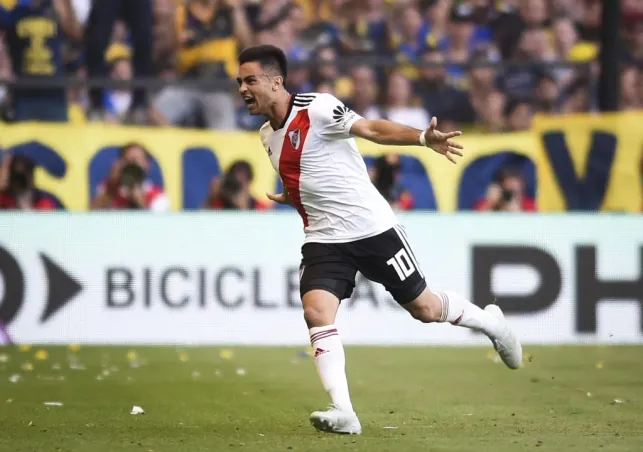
column 331, row 118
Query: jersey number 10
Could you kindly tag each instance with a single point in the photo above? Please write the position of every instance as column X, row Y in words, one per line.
column 402, row 264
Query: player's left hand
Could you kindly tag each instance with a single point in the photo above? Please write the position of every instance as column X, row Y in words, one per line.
column 441, row 142
column 281, row 198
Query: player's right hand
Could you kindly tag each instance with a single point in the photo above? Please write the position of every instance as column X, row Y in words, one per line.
column 281, row 198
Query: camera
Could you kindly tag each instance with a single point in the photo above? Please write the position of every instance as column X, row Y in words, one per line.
column 507, row 195
column 131, row 175
column 21, row 174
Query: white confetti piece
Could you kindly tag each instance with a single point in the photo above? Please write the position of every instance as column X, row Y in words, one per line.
column 137, row 410
column 30, row 423
column 196, row 374
column 241, row 371
column 77, row 366
column 390, row 428
column 217, row 373
column 618, row 401
column 53, row 404
column 15, row 378
column 56, row 366
column 99, row 377
column 4, row 358
column 9, row 400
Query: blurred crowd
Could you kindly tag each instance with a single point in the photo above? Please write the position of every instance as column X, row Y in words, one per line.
column 482, row 65
column 364, row 51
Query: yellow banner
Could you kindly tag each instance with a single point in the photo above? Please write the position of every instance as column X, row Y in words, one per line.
column 581, row 161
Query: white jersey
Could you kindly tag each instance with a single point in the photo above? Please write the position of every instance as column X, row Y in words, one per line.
column 324, row 173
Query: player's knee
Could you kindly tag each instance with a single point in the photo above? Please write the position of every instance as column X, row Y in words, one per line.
column 426, row 312
column 316, row 316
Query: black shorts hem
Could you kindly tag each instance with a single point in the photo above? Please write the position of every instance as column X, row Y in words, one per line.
column 320, row 287
column 412, row 295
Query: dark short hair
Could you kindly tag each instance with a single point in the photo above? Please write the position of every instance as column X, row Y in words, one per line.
column 22, row 162
column 267, row 56
column 513, row 104
column 243, row 166
column 132, row 144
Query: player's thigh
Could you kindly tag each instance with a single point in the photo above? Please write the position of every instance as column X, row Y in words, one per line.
column 326, row 277
column 389, row 260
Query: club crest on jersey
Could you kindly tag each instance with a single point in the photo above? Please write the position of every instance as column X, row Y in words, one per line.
column 295, row 138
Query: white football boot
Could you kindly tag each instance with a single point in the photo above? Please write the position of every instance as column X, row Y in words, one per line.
column 336, row 420
column 506, row 343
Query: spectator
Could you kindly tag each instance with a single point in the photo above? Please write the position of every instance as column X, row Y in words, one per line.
column 519, row 115
column 35, row 39
column 363, row 99
column 507, row 193
column 17, row 187
column 366, row 31
column 165, row 44
column 209, row 34
column 118, row 101
column 128, row 187
column 385, row 175
column 520, row 81
column 233, row 191
column 326, row 87
column 327, row 73
column 547, row 93
column 399, row 106
column 590, row 26
column 411, row 37
column 138, row 16
column 462, row 40
column 490, row 111
column 279, row 27
column 512, row 22
column 436, row 22
column 439, row 98
column 634, row 41
column 629, row 84
column 299, row 76
column 5, row 73
column 576, row 97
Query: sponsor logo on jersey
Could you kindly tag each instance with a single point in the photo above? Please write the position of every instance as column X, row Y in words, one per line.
column 295, row 138
column 342, row 114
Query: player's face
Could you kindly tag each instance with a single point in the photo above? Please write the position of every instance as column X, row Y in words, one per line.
column 255, row 88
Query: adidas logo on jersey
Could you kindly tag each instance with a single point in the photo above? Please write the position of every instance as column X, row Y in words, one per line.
column 295, row 138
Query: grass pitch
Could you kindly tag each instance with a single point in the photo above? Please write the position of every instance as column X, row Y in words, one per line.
column 259, row 399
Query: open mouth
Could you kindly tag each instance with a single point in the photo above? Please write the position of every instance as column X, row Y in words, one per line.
column 250, row 102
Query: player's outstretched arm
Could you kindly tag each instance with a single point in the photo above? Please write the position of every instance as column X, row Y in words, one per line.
column 387, row 132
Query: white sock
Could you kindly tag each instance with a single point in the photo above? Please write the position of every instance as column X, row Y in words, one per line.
column 459, row 311
column 331, row 364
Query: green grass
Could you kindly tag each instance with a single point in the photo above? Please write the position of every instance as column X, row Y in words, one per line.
column 440, row 399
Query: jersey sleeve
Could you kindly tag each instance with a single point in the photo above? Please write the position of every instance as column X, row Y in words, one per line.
column 330, row 118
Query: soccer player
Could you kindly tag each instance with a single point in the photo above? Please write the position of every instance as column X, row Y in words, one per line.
column 348, row 225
